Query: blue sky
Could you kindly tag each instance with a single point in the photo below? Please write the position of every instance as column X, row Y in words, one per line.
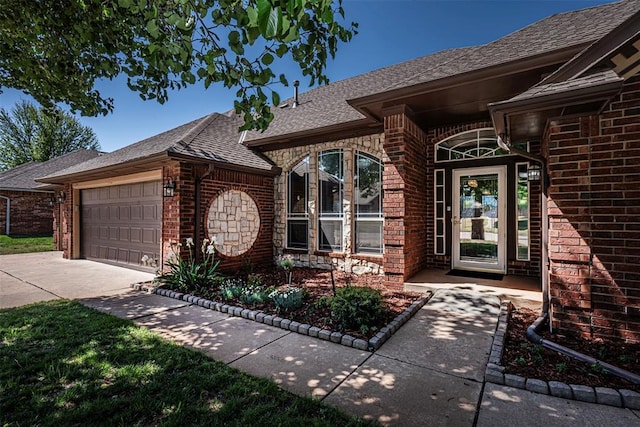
column 390, row 31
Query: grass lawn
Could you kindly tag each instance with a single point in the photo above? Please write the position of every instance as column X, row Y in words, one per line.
column 64, row 364
column 21, row 245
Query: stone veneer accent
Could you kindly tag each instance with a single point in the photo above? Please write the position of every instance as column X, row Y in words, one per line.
column 286, row 159
column 234, row 220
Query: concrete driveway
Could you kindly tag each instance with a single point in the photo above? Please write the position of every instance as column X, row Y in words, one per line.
column 43, row 276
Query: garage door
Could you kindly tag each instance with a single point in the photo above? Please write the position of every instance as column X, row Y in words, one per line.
column 122, row 223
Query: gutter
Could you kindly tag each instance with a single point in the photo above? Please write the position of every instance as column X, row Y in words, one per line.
column 197, row 197
column 7, row 223
column 534, row 337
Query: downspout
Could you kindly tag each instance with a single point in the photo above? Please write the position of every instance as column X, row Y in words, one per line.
column 196, row 237
column 533, row 330
column 7, row 223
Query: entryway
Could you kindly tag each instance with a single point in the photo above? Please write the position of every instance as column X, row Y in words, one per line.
column 479, row 219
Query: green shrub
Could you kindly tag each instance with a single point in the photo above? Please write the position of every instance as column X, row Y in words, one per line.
column 288, row 299
column 356, row 307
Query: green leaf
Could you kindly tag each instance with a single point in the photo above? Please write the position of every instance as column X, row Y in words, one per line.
column 267, row 59
column 275, row 98
column 269, row 19
column 252, row 13
column 152, row 28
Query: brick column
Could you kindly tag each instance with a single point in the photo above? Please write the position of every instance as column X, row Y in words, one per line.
column 407, row 204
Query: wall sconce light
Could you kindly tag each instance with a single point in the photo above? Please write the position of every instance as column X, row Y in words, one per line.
column 61, row 197
column 51, row 202
column 534, row 173
column 169, row 189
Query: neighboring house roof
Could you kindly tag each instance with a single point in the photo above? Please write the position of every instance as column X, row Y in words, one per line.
column 213, row 138
column 328, row 105
column 23, row 177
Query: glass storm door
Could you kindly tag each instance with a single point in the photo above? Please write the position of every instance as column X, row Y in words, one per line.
column 479, row 221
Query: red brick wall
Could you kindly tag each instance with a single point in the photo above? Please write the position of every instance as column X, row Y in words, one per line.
column 408, row 204
column 594, row 215
column 180, row 211
column 66, row 223
column 31, row 214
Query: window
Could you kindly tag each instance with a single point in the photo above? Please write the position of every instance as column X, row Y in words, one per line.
column 469, row 145
column 440, row 229
column 297, row 206
column 522, row 212
column 368, row 204
column 330, row 189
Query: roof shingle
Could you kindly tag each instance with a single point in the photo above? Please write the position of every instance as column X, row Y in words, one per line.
column 213, row 137
column 327, row 105
column 24, row 177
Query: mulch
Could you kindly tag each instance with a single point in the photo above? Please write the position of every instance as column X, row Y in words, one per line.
column 528, row 360
column 318, row 284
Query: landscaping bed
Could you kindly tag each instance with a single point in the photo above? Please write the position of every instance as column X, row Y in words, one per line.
column 528, row 360
column 317, row 289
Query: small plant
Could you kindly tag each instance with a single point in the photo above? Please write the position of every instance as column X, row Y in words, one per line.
column 188, row 275
column 255, row 280
column 287, row 299
column 232, row 289
column 521, row 361
column 562, row 367
column 356, row 307
column 285, row 262
column 597, row 369
column 246, row 293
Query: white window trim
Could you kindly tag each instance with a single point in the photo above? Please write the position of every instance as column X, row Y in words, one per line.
column 526, row 164
column 330, row 216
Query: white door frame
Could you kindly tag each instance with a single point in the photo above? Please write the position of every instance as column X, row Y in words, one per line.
column 500, row 265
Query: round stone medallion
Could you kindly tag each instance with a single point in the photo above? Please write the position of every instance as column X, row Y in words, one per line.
column 234, row 220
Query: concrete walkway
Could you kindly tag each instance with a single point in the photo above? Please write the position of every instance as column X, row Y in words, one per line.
column 429, row 373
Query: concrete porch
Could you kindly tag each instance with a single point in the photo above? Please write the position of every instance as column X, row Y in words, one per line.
column 523, row 291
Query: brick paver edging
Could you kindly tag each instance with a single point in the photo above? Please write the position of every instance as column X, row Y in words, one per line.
column 372, row 345
column 495, row 374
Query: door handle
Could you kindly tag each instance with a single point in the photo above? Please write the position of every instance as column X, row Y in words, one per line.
column 455, row 221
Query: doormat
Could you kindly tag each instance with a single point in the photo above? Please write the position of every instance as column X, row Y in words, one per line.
column 476, row 274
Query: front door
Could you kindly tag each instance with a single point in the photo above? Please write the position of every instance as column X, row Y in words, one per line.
column 479, row 219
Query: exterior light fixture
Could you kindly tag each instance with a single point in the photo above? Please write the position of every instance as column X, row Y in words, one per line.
column 534, row 173
column 61, row 197
column 169, row 189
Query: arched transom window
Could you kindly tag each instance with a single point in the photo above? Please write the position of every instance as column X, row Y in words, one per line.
column 468, row 145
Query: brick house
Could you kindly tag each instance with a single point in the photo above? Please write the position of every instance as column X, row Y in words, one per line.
column 517, row 157
column 30, row 204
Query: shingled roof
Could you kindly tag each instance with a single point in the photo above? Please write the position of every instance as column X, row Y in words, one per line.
column 327, row 106
column 214, row 138
column 23, row 177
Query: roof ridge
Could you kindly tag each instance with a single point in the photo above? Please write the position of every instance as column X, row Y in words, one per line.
column 190, row 134
column 466, row 51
